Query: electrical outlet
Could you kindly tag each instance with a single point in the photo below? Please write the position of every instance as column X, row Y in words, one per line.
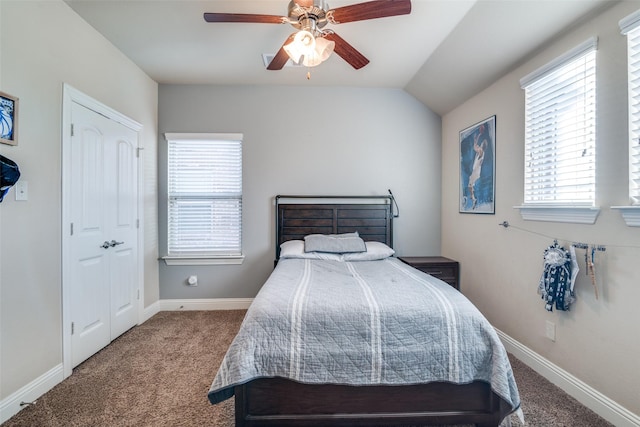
column 551, row 330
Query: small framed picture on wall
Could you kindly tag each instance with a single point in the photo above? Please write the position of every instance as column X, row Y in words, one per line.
column 478, row 167
column 8, row 119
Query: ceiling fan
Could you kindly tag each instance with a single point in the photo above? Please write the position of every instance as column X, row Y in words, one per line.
column 312, row 43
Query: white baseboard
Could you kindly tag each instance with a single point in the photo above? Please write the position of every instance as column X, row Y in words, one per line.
column 10, row 405
column 582, row 392
column 150, row 311
column 205, row 304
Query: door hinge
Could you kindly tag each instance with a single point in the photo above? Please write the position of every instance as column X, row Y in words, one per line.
column 137, row 223
column 71, row 229
column 72, row 130
column 138, row 151
column 138, row 294
column 73, row 327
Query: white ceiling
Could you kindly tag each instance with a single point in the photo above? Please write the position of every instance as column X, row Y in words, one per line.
column 444, row 52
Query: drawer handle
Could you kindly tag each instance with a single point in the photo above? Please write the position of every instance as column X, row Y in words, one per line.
column 435, row 272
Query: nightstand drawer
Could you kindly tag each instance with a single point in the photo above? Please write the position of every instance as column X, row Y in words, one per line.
column 443, row 268
column 445, row 273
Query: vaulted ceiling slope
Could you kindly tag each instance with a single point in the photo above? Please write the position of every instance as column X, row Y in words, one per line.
column 442, row 53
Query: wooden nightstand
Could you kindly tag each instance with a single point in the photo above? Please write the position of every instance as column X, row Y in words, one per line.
column 443, row 268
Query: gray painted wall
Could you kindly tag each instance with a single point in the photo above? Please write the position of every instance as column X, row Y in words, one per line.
column 598, row 340
column 306, row 140
column 43, row 45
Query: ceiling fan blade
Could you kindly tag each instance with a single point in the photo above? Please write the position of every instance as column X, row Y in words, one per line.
column 371, row 10
column 244, row 17
column 347, row 52
column 281, row 58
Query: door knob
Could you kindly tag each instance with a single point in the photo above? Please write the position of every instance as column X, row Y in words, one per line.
column 113, row 243
column 105, row 245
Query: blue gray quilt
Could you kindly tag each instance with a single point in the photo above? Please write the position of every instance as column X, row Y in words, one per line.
column 363, row 323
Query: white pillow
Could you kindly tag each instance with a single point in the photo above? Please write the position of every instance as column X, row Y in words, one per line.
column 375, row 251
column 295, row 249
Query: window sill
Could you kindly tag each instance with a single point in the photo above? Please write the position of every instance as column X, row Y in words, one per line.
column 572, row 214
column 631, row 214
column 204, row 260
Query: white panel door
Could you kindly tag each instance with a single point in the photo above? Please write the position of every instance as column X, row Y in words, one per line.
column 103, row 244
column 123, row 233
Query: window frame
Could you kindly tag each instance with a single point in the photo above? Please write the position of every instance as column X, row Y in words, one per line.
column 631, row 24
column 580, row 212
column 205, row 257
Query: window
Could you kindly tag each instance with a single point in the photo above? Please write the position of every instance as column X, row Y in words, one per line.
column 632, row 30
column 560, row 137
column 630, row 26
column 204, row 197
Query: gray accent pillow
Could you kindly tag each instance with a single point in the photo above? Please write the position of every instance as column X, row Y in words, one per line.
column 295, row 249
column 334, row 243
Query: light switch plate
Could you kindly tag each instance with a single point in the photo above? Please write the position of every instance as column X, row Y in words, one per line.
column 22, row 190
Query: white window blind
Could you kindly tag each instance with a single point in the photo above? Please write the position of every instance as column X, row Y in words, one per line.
column 631, row 27
column 560, row 130
column 204, row 194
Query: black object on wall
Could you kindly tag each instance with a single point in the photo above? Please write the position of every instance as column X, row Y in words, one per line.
column 9, row 175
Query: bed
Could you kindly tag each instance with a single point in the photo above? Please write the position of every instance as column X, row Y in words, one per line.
column 360, row 338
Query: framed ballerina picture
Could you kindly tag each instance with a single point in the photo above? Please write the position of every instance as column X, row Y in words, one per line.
column 478, row 167
column 8, row 119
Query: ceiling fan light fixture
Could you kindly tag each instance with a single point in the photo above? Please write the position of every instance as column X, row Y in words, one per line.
column 293, row 53
column 309, row 17
column 303, row 45
column 305, row 40
column 322, row 52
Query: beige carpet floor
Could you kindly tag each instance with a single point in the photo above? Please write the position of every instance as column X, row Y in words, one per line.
column 158, row 374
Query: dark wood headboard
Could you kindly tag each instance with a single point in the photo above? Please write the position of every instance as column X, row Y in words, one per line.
column 371, row 217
